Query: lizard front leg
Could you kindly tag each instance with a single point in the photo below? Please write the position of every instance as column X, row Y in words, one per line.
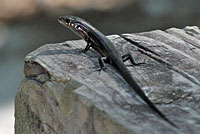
column 130, row 57
column 88, row 46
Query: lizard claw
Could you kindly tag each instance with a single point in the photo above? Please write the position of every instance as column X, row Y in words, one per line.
column 100, row 69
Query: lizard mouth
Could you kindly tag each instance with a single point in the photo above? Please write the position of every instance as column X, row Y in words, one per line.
column 64, row 21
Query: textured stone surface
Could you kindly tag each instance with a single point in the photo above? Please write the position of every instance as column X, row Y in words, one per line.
column 63, row 94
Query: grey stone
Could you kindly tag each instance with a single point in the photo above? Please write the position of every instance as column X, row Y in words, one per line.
column 63, row 94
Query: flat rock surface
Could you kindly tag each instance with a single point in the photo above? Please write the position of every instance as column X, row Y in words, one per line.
column 63, row 93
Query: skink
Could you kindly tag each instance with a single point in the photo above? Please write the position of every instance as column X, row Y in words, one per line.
column 110, row 55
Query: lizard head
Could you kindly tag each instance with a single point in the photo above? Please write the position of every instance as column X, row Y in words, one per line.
column 75, row 24
column 67, row 20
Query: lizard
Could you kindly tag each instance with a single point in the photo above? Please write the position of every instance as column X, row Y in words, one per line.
column 99, row 42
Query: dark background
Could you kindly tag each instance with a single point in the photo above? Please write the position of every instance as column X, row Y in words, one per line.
column 28, row 24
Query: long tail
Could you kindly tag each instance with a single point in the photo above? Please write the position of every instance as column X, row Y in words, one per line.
column 132, row 83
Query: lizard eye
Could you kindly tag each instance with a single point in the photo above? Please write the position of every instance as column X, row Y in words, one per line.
column 67, row 20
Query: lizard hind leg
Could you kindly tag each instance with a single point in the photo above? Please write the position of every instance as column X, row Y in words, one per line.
column 130, row 57
column 102, row 63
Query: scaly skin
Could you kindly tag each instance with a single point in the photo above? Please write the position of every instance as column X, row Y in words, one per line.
column 104, row 46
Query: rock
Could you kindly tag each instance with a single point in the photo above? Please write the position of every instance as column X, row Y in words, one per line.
column 63, row 94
